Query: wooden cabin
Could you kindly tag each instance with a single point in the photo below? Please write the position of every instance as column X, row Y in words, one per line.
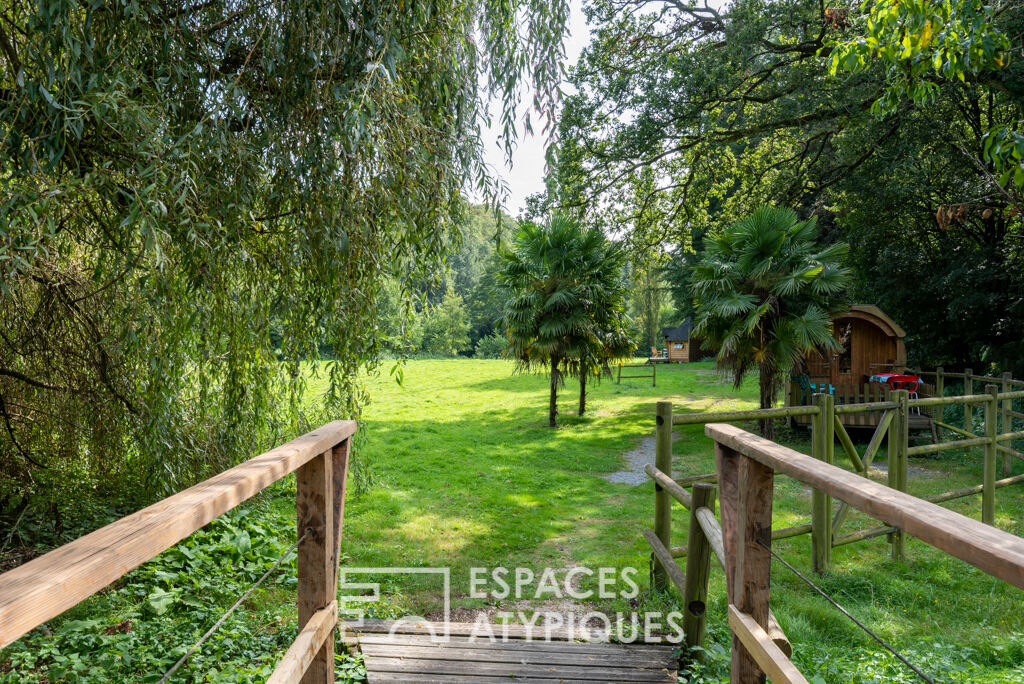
column 680, row 343
column 872, row 343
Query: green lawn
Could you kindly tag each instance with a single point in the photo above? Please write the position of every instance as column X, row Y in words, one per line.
column 466, row 474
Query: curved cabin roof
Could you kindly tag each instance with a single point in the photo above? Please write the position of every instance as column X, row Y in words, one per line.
column 873, row 314
column 680, row 333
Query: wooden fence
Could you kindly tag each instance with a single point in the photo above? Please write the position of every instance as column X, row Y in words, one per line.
column 47, row 586
column 653, row 367
column 745, row 469
column 891, row 419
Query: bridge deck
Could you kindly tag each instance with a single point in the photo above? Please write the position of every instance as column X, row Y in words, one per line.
column 413, row 655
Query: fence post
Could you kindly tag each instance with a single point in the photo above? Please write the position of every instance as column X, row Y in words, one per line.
column 988, row 479
column 698, row 567
column 940, row 384
column 899, row 442
column 654, row 374
column 746, row 501
column 1007, row 423
column 968, row 408
column 662, row 501
column 317, row 563
column 822, row 448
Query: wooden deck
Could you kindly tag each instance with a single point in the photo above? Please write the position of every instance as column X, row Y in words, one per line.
column 413, row 655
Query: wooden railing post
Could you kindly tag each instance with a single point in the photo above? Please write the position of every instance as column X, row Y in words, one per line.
column 968, row 408
column 822, row 448
column 746, row 488
column 899, row 442
column 1007, row 422
column 662, row 500
column 988, row 478
column 698, row 568
column 940, row 382
column 319, row 503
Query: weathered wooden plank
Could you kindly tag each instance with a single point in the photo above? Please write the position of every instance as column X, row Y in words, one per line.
column 751, row 559
column 996, row 552
column 316, row 568
column 524, row 657
column 645, row 650
column 713, row 530
column 310, row 641
column 47, row 586
column 445, row 667
column 468, row 629
column 774, row 663
column 392, row 677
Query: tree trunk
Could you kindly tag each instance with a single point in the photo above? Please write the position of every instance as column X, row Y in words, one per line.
column 553, row 402
column 583, row 388
column 766, row 386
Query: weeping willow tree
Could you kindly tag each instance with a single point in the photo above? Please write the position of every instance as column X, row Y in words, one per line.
column 180, row 178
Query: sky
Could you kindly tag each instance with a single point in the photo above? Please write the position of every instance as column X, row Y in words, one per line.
column 526, row 176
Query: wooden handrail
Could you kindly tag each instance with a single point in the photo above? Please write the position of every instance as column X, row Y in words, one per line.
column 998, row 553
column 307, row 644
column 47, row 586
column 769, row 657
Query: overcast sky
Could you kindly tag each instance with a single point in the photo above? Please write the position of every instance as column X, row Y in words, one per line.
column 526, row 176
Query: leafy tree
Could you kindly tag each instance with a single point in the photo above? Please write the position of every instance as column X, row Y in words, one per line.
column 176, row 176
column 446, row 329
column 765, row 292
column 491, row 347
column 565, row 301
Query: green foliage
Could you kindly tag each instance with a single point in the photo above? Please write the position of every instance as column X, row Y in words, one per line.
column 565, row 300
column 916, row 40
column 764, row 295
column 180, row 182
column 446, row 330
column 491, row 346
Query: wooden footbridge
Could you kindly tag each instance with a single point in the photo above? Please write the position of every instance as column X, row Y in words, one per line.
column 746, row 465
column 417, row 652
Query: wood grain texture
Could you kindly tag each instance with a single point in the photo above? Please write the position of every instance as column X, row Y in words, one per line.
column 309, row 641
column 674, row 489
column 698, row 569
column 996, row 552
column 662, row 502
column 770, row 659
column 664, row 556
column 316, row 565
column 45, row 587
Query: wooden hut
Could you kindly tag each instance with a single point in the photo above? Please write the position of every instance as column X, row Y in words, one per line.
column 872, row 343
column 681, row 345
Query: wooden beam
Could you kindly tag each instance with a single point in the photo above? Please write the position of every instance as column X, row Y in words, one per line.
column 47, row 586
column 674, row 489
column 664, row 557
column 775, row 664
column 747, row 511
column 713, row 531
column 662, row 503
column 998, row 553
column 698, row 569
column 316, row 568
column 310, row 641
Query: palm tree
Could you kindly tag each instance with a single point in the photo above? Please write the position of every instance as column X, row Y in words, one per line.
column 765, row 293
column 566, row 300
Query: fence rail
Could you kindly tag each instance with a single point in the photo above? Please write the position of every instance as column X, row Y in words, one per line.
column 47, row 586
column 742, row 541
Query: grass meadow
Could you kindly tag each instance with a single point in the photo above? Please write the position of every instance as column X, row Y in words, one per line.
column 466, row 474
